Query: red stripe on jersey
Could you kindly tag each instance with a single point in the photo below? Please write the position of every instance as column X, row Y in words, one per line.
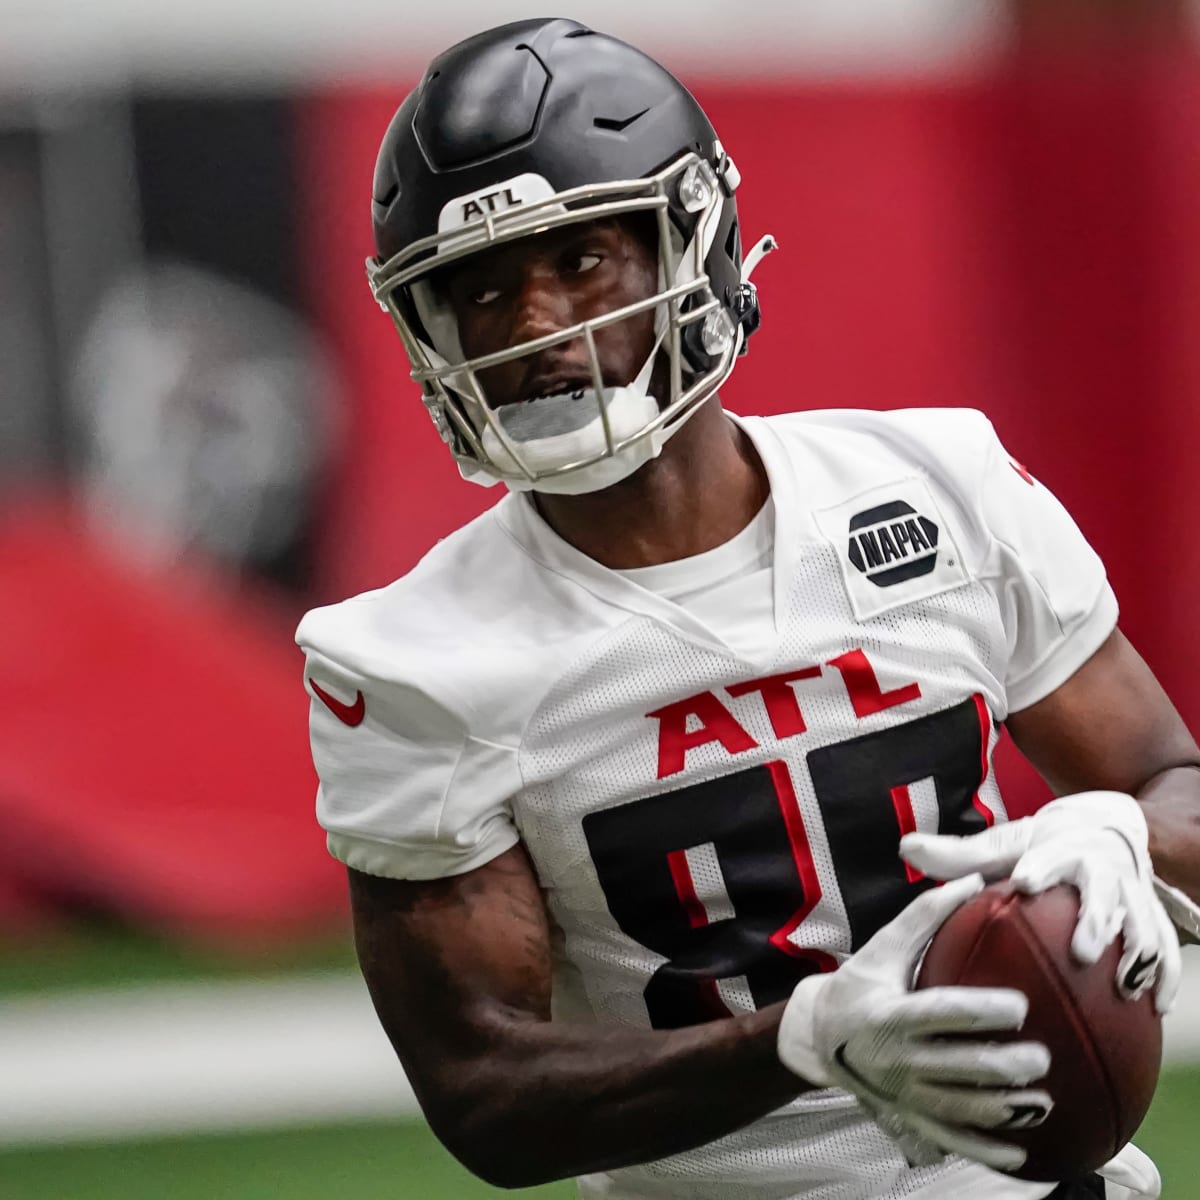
column 685, row 888
column 907, row 820
column 985, row 737
column 805, row 868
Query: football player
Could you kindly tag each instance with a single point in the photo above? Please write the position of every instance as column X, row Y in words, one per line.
column 644, row 777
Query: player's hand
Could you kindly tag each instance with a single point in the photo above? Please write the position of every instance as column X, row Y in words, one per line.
column 1096, row 841
column 1131, row 1176
column 862, row 1029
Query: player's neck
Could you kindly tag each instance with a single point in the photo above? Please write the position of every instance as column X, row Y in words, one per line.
column 703, row 489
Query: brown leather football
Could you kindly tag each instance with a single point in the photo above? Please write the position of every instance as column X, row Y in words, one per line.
column 1105, row 1051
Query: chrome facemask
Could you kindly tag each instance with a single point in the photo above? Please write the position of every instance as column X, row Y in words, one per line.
column 592, row 438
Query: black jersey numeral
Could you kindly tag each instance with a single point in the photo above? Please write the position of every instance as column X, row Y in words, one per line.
column 750, row 822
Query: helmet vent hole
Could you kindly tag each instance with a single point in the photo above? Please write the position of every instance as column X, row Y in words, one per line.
column 388, row 196
column 581, row 33
column 733, row 247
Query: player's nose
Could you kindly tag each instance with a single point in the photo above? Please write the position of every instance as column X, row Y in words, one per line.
column 542, row 306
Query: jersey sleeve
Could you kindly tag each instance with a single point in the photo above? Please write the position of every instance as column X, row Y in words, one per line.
column 1055, row 601
column 405, row 790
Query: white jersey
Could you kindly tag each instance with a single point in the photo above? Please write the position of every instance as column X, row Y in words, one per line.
column 711, row 762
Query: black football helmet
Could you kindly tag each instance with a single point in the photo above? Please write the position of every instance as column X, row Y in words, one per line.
column 525, row 128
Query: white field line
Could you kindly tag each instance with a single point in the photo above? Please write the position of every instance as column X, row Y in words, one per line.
column 194, row 1057
column 233, row 1056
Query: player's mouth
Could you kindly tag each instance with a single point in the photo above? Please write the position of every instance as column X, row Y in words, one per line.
column 558, row 385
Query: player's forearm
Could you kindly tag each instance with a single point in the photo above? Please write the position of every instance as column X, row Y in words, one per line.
column 551, row 1100
column 1171, row 803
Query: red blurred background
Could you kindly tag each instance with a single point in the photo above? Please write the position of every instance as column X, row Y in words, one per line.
column 1022, row 237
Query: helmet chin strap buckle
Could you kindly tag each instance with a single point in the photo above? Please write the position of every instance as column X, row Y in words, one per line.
column 747, row 312
column 433, row 406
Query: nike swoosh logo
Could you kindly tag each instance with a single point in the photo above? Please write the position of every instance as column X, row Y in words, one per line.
column 1138, row 974
column 616, row 125
column 1024, row 1116
column 348, row 714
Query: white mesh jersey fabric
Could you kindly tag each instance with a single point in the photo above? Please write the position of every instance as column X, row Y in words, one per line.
column 666, row 779
column 827, row 1147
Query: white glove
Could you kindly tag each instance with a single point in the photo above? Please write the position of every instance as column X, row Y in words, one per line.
column 1096, row 841
column 860, row 1028
column 1131, row 1176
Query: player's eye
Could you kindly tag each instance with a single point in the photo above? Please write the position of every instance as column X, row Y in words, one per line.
column 485, row 296
column 579, row 262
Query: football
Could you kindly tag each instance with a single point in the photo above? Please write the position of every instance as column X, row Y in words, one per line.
column 1105, row 1051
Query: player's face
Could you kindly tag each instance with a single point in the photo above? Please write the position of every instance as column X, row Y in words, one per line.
column 542, row 285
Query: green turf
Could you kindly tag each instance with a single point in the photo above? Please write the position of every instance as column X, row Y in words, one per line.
column 101, row 955
column 404, row 1162
column 1171, row 1135
column 365, row 1162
